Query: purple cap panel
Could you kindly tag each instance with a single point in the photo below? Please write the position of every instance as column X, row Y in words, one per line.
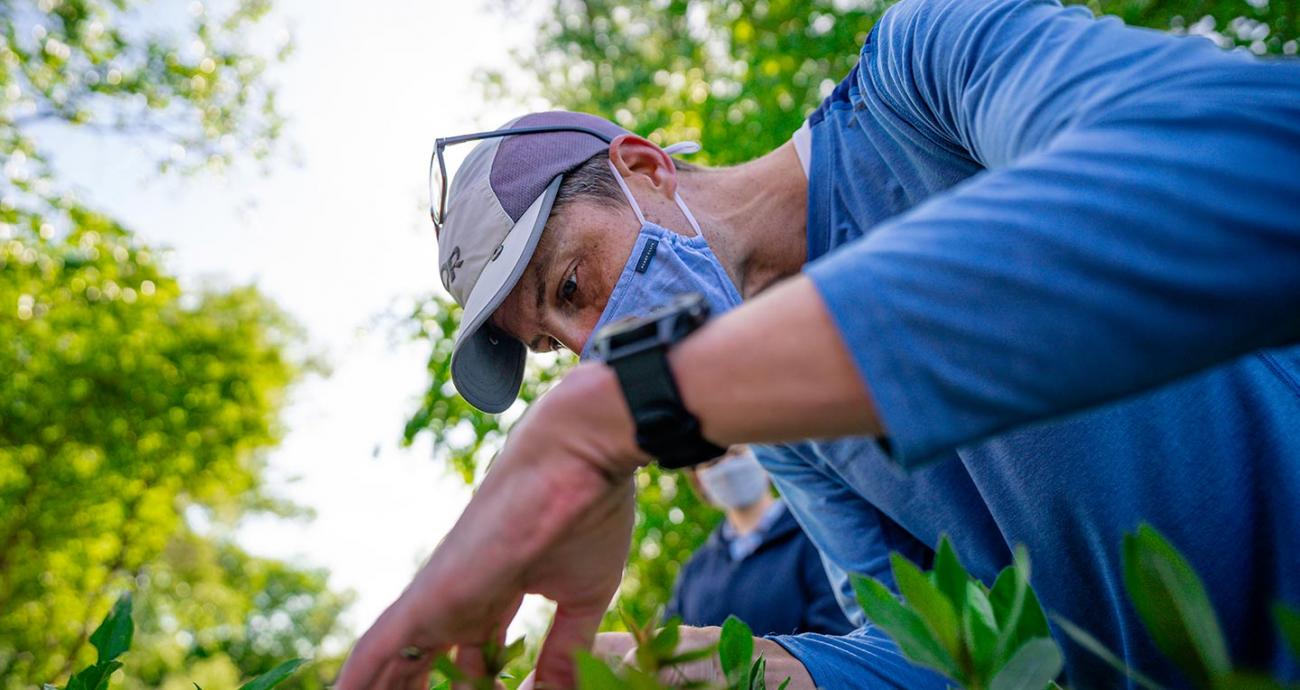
column 526, row 164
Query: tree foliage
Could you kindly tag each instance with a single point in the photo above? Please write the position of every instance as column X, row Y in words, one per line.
column 131, row 407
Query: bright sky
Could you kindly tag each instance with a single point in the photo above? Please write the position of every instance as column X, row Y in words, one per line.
column 338, row 240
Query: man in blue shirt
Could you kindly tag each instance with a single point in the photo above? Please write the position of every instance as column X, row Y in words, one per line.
column 1053, row 272
column 757, row 565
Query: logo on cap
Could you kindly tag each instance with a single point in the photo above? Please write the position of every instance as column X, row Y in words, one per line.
column 449, row 267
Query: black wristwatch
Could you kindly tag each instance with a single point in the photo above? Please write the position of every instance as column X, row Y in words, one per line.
column 637, row 349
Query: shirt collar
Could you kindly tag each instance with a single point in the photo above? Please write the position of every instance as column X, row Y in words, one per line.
column 740, row 547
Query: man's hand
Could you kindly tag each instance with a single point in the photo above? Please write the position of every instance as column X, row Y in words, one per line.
column 619, row 649
column 553, row 517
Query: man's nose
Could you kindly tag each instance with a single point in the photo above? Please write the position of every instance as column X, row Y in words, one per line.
column 572, row 334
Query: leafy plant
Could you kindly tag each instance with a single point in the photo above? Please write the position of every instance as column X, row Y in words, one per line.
column 496, row 658
column 981, row 638
column 113, row 638
column 1176, row 611
column 657, row 650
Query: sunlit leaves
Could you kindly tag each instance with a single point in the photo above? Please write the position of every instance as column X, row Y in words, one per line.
column 124, row 401
column 195, row 91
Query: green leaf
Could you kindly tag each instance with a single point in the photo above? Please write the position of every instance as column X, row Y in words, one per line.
column 636, row 679
column 275, row 676
column 1248, row 681
column 1288, row 621
column 113, row 636
column 1032, row 667
column 735, row 650
column 689, row 656
column 904, row 626
column 594, row 674
column 979, row 628
column 1174, row 606
column 784, row 684
column 1085, row 639
column 949, row 575
column 443, row 684
column 665, row 641
column 94, row 677
column 757, row 675
column 448, row 668
column 1019, row 615
column 929, row 603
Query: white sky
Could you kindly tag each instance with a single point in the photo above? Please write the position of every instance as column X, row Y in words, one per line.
column 337, row 240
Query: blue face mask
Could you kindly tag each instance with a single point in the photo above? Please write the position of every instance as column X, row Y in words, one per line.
column 664, row 264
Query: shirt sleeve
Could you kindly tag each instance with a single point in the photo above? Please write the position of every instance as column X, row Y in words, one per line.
column 1138, row 221
column 850, row 534
column 821, row 610
column 865, row 659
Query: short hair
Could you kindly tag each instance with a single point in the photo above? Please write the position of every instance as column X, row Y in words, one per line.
column 594, row 181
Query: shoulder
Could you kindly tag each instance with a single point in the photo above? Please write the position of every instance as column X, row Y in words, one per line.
column 922, row 31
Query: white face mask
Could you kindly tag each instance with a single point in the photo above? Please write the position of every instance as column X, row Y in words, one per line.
column 735, row 482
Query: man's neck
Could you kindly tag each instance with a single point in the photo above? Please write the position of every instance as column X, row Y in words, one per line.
column 745, row 520
column 754, row 217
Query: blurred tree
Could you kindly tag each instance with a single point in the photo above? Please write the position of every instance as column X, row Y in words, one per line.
column 740, row 77
column 126, row 401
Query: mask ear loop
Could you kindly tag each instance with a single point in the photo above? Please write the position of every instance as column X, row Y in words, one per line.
column 682, row 147
column 627, row 193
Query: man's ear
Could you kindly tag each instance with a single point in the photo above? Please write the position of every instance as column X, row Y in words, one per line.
column 635, row 157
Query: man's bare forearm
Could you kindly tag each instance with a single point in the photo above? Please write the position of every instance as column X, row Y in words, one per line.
column 774, row 370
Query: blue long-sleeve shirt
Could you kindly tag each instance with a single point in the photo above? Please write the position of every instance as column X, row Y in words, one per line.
column 1048, row 241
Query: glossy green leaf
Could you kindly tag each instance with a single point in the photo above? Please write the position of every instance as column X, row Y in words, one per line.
column 594, row 674
column 1288, row 623
column 94, row 677
column 949, row 574
column 905, row 627
column 979, row 630
column 113, row 636
column 275, row 676
column 665, row 640
column 1238, row 680
column 1174, row 606
column 935, row 609
column 1019, row 615
column 757, row 675
column 735, row 651
column 1035, row 664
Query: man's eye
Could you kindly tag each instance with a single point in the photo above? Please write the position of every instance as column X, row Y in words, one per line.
column 570, row 286
column 556, row 345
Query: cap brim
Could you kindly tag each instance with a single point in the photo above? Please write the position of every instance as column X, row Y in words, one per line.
column 488, row 367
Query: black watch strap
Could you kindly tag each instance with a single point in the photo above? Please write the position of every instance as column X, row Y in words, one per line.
column 664, row 427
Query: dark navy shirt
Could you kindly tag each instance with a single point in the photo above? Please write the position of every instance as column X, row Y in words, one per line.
column 777, row 588
column 1059, row 250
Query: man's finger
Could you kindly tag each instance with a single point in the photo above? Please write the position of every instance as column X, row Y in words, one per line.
column 469, row 660
column 570, row 632
column 614, row 646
